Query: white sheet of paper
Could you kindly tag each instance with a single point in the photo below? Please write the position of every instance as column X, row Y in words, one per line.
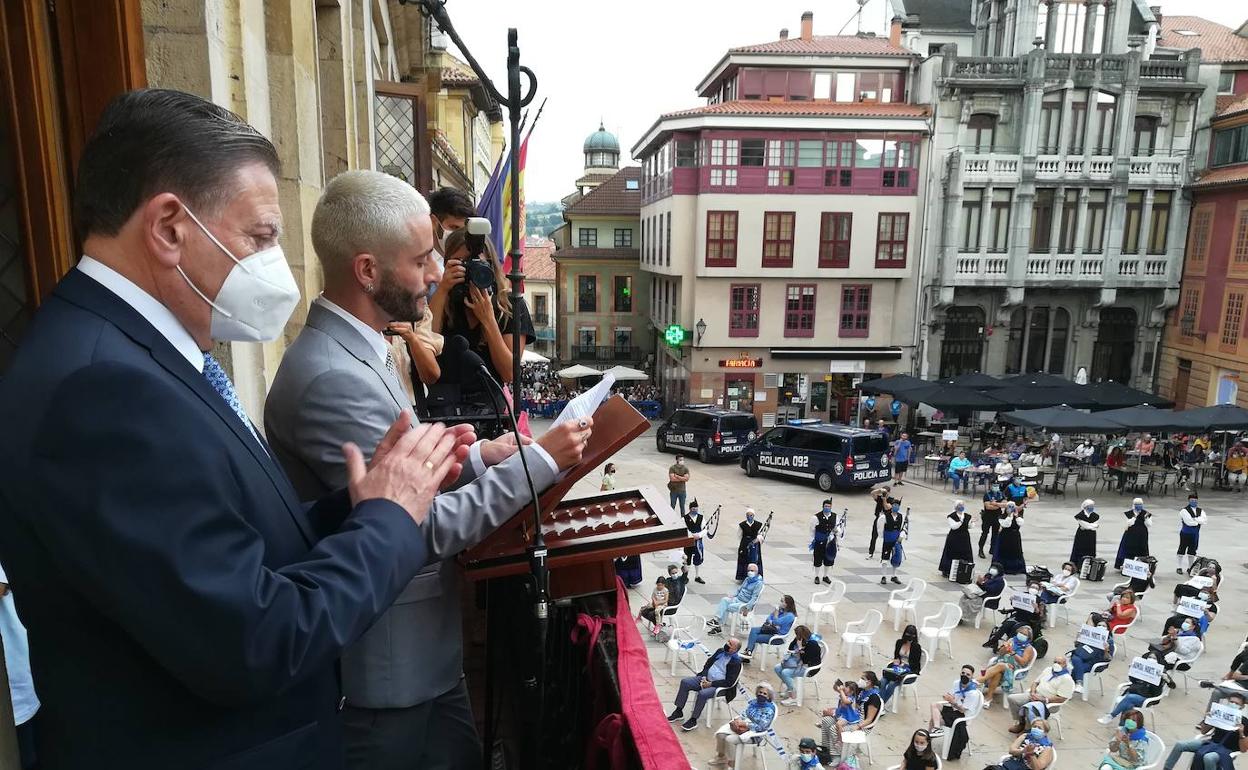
column 1193, row 608
column 1134, row 568
column 949, row 435
column 1146, row 670
column 1200, row 581
column 1224, row 716
column 1023, row 600
column 584, row 405
column 1093, row 636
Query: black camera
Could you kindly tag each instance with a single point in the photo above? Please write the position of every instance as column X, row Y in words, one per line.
column 477, row 268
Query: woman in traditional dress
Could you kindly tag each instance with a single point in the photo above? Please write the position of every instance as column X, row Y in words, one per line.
column 1009, row 551
column 958, row 540
column 1134, row 544
column 749, row 551
column 1087, row 520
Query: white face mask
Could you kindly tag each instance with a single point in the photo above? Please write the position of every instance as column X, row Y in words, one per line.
column 1067, row 571
column 257, row 298
column 862, row 684
column 752, row 573
column 1057, row 668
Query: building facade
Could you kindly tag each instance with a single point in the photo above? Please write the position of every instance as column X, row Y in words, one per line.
column 781, row 223
column 1205, row 355
column 602, row 292
column 466, row 134
column 540, row 294
column 1062, row 139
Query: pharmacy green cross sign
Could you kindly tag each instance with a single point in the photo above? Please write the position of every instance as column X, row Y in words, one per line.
column 675, row 335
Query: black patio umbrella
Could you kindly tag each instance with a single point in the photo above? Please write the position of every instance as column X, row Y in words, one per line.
column 952, row 398
column 1136, row 419
column 1037, row 379
column 1112, row 395
column 1220, row 417
column 893, row 384
column 1062, row 418
column 977, row 381
column 1031, row 396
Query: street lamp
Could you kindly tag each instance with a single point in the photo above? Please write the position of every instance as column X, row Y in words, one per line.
column 700, row 328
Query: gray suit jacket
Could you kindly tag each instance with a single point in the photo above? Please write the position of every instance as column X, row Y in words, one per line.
column 330, row 389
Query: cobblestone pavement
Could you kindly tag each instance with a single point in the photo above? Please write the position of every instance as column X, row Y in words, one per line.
column 1047, row 538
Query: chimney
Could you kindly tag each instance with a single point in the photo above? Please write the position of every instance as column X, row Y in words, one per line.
column 808, row 25
column 1156, row 9
column 894, row 31
column 784, row 34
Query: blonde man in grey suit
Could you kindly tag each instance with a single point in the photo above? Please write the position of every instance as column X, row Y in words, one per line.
column 406, row 702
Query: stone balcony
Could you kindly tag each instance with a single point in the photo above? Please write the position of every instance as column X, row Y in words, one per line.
column 1090, row 270
column 1082, row 69
column 1006, row 169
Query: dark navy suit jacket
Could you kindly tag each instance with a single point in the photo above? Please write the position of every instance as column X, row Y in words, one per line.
column 184, row 609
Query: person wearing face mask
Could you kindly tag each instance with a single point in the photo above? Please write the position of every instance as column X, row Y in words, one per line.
column 1012, row 654
column 1136, row 693
column 958, row 540
column 1134, row 543
column 149, row 534
column 336, row 383
column 449, row 210
column 807, row 756
column 742, row 601
column 907, row 659
column 1180, row 640
column 823, row 540
column 919, row 754
column 1085, row 656
column 804, row 652
column 1191, row 518
column 964, row 699
column 889, row 522
column 1087, row 520
column 990, row 519
column 694, row 554
column 749, row 548
column 1051, row 687
column 1212, row 742
column 1061, row 584
column 1127, row 748
column 1009, row 549
column 1032, row 750
column 777, row 623
column 1208, row 578
column 756, row 717
column 986, row 592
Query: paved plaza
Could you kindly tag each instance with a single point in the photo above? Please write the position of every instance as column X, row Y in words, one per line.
column 1047, row 538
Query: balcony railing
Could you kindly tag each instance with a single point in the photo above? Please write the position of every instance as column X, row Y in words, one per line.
column 994, row 168
column 605, row 353
column 993, row 269
column 986, row 68
column 1079, row 67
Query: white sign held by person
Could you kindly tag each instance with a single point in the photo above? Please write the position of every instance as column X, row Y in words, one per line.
column 1146, row 670
column 1093, row 636
column 1193, row 608
column 1200, row 581
column 949, row 435
column 1021, row 600
column 1133, row 568
column 1224, row 716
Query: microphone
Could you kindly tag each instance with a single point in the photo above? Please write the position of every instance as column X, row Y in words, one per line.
column 457, row 347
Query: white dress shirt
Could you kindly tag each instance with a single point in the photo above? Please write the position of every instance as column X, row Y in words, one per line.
column 375, row 339
column 147, row 306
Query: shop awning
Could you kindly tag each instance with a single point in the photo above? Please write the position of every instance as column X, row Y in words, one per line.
column 1062, row 418
column 838, row 354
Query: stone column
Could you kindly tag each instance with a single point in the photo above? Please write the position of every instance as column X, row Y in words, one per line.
column 1066, row 131
column 1146, row 219
column 1089, row 25
column 1081, row 227
column 985, row 221
column 1020, row 233
column 1050, row 27
column 1111, row 10
column 1055, row 227
column 1116, row 216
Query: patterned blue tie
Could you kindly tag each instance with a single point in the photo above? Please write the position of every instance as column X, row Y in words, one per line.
column 220, row 382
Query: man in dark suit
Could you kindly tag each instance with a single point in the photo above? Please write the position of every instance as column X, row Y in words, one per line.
column 184, row 609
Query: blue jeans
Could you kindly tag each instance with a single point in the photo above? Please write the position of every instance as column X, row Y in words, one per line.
column 756, row 636
column 787, row 673
column 678, row 497
column 1128, row 702
column 956, row 478
column 1210, row 759
column 888, row 687
column 726, row 605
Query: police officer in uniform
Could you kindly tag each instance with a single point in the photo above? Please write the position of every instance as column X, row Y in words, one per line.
column 823, row 540
column 693, row 553
column 1191, row 518
column 889, row 525
column 990, row 519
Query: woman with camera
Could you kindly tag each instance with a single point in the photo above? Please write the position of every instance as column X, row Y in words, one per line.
column 472, row 301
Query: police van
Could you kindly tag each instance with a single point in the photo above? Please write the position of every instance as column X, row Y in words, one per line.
column 707, row 431
column 833, row 456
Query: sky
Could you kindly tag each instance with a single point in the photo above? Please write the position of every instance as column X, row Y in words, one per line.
column 627, row 62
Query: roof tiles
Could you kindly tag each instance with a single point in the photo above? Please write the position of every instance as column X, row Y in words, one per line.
column 612, row 196
column 1216, row 42
column 847, row 45
column 816, row 108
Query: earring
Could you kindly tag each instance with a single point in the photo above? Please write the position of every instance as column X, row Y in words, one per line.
column 368, row 288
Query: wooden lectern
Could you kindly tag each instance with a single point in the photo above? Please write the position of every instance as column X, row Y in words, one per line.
column 596, row 706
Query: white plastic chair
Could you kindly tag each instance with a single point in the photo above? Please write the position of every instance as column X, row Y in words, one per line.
column 811, row 672
column 740, row 623
column 861, row 737
column 826, row 601
column 966, row 719
column 1019, row 675
column 940, row 626
column 661, row 619
column 859, row 634
column 778, row 642
column 905, row 600
column 720, row 696
column 1146, row 708
column 910, row 683
column 1096, row 674
column 1055, row 718
column 683, row 639
column 1186, row 672
column 1121, row 631
column 1002, row 597
column 1155, row 753
column 1063, row 603
column 757, row 742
